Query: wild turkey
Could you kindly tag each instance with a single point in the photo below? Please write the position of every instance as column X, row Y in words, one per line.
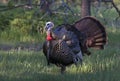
column 66, row 44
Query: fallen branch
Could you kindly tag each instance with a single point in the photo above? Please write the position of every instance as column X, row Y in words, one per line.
column 62, row 13
column 116, row 8
column 22, row 5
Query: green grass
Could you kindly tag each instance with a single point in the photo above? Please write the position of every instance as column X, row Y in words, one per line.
column 31, row 66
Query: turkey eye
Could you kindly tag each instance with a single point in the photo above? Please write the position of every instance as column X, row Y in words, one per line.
column 48, row 24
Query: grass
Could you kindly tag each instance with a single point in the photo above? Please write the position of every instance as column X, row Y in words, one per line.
column 31, row 66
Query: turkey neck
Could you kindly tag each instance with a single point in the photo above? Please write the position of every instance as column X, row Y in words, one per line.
column 49, row 37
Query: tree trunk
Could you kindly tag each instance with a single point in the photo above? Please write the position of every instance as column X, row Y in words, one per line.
column 85, row 8
column 29, row 2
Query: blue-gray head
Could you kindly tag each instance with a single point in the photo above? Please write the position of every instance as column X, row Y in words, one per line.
column 49, row 25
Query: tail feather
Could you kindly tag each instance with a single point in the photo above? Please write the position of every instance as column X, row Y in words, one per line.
column 100, row 40
column 98, row 36
column 98, row 47
column 103, row 41
column 94, row 31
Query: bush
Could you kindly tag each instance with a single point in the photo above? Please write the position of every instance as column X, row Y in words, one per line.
column 22, row 26
column 5, row 19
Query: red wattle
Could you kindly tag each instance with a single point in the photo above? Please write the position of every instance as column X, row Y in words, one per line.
column 49, row 37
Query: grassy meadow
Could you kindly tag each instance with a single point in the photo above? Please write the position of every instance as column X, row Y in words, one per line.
column 31, row 66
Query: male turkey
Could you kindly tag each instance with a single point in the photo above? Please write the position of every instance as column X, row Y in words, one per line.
column 66, row 44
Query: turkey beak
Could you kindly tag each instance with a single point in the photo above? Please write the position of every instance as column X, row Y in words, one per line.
column 45, row 28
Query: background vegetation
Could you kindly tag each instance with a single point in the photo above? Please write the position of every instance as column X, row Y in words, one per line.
column 27, row 25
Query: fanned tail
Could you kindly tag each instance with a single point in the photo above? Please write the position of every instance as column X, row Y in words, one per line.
column 94, row 32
